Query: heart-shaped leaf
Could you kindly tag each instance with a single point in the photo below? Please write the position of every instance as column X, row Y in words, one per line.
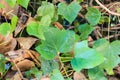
column 34, row 29
column 93, row 15
column 111, row 53
column 69, row 12
column 56, row 41
column 85, row 30
column 85, row 57
column 46, row 9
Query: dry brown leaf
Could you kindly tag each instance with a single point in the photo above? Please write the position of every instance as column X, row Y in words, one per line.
column 79, row 76
column 21, row 25
column 7, row 43
column 58, row 25
column 89, row 39
column 9, row 74
column 24, row 65
column 34, row 56
column 7, row 9
column 26, row 42
column 22, row 54
column 17, row 53
column 16, row 77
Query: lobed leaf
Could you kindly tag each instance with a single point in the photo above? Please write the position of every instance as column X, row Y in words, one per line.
column 111, row 53
column 85, row 57
column 56, row 41
column 93, row 15
column 69, row 12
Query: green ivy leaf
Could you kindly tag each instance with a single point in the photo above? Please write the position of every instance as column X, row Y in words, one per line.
column 85, row 57
column 34, row 29
column 56, row 41
column 11, row 2
column 47, row 66
column 69, row 12
column 2, row 63
column 56, row 75
column 5, row 29
column 85, row 30
column 93, row 15
column 23, row 3
column 96, row 74
column 46, row 9
column 45, row 21
column 13, row 23
column 111, row 53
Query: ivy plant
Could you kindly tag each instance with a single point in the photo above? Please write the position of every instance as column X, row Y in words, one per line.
column 55, row 44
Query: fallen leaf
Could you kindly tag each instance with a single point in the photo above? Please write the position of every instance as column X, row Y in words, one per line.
column 22, row 23
column 7, row 9
column 26, row 42
column 24, row 65
column 58, row 25
column 16, row 77
column 7, row 43
column 79, row 76
column 22, row 54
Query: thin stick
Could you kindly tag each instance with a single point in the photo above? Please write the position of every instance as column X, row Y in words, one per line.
column 113, row 13
column 18, row 70
column 37, row 62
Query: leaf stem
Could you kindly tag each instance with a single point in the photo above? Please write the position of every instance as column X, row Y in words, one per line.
column 62, row 65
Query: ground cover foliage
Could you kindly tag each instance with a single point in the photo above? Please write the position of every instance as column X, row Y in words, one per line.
column 59, row 40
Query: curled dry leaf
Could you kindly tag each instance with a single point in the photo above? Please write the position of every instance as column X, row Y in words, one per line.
column 79, row 76
column 26, row 42
column 24, row 65
column 7, row 43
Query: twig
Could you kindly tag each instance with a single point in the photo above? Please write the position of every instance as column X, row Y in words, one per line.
column 37, row 62
column 18, row 70
column 113, row 13
column 111, row 36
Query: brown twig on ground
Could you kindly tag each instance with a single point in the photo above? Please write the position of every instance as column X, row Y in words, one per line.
column 37, row 62
column 111, row 36
column 18, row 70
column 113, row 13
